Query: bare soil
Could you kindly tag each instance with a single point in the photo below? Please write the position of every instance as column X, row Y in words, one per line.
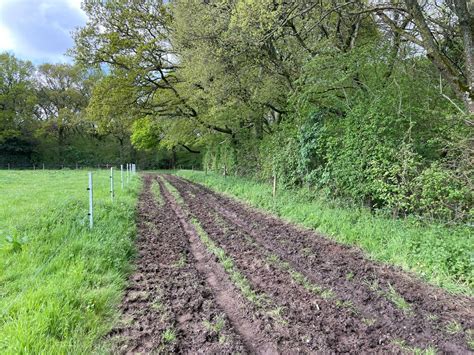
column 314, row 295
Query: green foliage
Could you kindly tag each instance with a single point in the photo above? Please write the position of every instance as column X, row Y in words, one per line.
column 17, row 104
column 312, row 93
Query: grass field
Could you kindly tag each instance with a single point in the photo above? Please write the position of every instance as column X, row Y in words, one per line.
column 60, row 282
column 440, row 254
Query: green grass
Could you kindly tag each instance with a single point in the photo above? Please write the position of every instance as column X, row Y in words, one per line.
column 169, row 336
column 60, row 282
column 440, row 254
column 174, row 192
column 155, row 189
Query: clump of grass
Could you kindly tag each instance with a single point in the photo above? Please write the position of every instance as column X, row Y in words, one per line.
column 347, row 304
column 155, row 189
column 277, row 314
column 158, row 306
column 398, row 300
column 181, row 262
column 470, row 338
column 419, row 247
column 169, row 336
column 369, row 321
column 216, row 326
column 412, row 349
column 454, row 327
column 392, row 295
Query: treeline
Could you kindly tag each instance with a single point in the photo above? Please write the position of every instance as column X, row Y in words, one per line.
column 44, row 120
column 366, row 101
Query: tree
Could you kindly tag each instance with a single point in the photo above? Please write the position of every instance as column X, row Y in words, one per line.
column 445, row 31
column 17, row 104
column 63, row 93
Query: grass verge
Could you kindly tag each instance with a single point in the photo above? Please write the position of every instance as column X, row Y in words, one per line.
column 60, row 282
column 440, row 254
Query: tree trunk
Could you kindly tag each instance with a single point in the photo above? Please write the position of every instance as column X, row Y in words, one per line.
column 466, row 24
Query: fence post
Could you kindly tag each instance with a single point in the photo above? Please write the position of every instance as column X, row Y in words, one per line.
column 121, row 175
column 112, row 195
column 43, row 166
column 8, row 166
column 128, row 173
column 274, row 185
column 91, row 213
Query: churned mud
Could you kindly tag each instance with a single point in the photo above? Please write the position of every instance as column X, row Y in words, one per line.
column 169, row 306
column 252, row 283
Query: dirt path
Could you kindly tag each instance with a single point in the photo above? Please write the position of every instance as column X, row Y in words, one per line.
column 278, row 288
column 168, row 306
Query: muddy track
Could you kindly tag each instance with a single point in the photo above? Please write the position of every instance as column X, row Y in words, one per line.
column 372, row 307
column 168, row 305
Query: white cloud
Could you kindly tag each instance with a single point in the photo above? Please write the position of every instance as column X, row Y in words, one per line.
column 39, row 30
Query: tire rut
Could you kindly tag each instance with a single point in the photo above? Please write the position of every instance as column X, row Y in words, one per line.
column 254, row 332
column 167, row 304
column 287, row 241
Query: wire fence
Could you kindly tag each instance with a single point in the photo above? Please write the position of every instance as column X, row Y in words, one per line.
column 54, row 166
column 126, row 171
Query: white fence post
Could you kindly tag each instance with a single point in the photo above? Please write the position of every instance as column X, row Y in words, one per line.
column 128, row 173
column 91, row 213
column 112, row 195
column 121, row 175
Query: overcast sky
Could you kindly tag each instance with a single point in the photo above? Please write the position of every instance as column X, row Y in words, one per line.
column 39, row 30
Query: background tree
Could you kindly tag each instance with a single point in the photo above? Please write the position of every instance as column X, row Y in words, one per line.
column 17, row 105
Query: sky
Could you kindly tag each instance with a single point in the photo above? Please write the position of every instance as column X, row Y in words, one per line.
column 39, row 30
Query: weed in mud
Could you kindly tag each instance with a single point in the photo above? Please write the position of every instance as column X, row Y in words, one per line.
column 216, row 326
column 181, row 261
column 239, row 280
column 392, row 295
column 277, row 315
column 155, row 189
column 470, row 338
column 169, row 336
column 368, row 321
column 347, row 304
column 453, row 327
column 273, row 259
column 413, row 350
column 158, row 306
column 398, row 300
column 373, row 286
column 349, row 276
column 307, row 251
